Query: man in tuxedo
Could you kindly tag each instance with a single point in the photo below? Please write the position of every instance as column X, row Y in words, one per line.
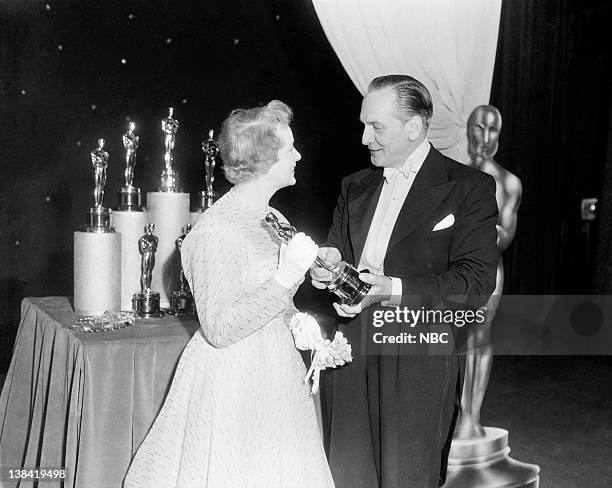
column 423, row 225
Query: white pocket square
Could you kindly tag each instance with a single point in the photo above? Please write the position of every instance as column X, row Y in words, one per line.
column 445, row 223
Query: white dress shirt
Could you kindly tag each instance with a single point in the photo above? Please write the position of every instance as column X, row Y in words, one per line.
column 398, row 182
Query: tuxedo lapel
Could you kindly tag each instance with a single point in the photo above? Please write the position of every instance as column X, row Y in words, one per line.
column 430, row 187
column 362, row 201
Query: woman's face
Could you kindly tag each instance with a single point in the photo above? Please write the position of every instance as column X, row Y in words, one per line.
column 282, row 173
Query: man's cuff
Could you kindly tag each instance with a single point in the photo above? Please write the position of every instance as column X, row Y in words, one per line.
column 396, row 294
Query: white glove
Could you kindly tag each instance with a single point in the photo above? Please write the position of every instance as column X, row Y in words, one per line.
column 295, row 259
column 306, row 331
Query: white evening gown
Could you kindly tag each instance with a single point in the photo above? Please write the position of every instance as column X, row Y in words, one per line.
column 238, row 413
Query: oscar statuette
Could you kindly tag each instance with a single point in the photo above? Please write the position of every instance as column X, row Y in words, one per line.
column 130, row 196
column 98, row 217
column 169, row 177
column 181, row 301
column 208, row 196
column 146, row 303
column 345, row 282
column 168, row 209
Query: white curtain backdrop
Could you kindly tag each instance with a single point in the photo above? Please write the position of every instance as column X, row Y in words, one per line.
column 448, row 45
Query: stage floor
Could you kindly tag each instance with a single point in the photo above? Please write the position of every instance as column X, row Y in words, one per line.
column 559, row 414
column 558, row 410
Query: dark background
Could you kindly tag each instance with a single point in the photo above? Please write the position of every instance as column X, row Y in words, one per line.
column 63, row 85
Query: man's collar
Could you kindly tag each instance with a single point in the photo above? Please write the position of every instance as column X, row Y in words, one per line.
column 412, row 164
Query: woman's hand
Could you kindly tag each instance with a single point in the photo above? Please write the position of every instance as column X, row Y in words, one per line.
column 295, row 259
column 306, row 331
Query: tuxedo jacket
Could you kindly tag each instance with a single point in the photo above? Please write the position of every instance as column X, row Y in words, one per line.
column 457, row 260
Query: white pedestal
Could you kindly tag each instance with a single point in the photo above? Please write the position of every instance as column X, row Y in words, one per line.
column 169, row 212
column 484, row 463
column 131, row 226
column 97, row 272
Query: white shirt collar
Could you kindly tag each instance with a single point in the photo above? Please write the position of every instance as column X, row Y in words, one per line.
column 412, row 164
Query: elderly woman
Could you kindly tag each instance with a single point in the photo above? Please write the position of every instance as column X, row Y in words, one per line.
column 238, row 413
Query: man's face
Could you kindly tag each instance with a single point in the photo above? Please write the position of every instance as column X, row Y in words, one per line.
column 386, row 136
column 484, row 126
column 283, row 171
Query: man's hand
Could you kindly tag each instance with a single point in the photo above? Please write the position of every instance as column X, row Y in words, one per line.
column 320, row 276
column 380, row 292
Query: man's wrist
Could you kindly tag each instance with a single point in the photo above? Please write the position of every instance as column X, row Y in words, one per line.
column 395, row 297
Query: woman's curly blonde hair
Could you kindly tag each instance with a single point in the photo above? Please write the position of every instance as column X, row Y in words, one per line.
column 248, row 141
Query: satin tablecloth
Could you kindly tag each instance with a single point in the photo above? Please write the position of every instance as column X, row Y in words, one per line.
column 84, row 401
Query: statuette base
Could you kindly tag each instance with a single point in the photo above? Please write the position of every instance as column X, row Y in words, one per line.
column 98, row 220
column 484, row 463
column 206, row 200
column 346, row 284
column 181, row 304
column 130, row 199
column 170, row 181
column 146, row 304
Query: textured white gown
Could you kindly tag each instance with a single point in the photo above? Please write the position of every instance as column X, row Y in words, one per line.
column 238, row 414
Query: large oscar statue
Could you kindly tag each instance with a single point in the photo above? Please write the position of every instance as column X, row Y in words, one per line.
column 479, row 455
column 129, row 219
column 169, row 210
column 97, row 250
column 146, row 302
column 208, row 196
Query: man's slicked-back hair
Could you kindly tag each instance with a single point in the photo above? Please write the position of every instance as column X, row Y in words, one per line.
column 411, row 96
column 248, row 142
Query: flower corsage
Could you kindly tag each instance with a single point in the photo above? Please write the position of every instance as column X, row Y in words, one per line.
column 325, row 353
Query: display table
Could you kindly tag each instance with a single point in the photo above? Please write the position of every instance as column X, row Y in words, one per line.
column 84, row 401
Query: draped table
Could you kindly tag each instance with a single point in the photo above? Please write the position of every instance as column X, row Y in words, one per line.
column 84, row 401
